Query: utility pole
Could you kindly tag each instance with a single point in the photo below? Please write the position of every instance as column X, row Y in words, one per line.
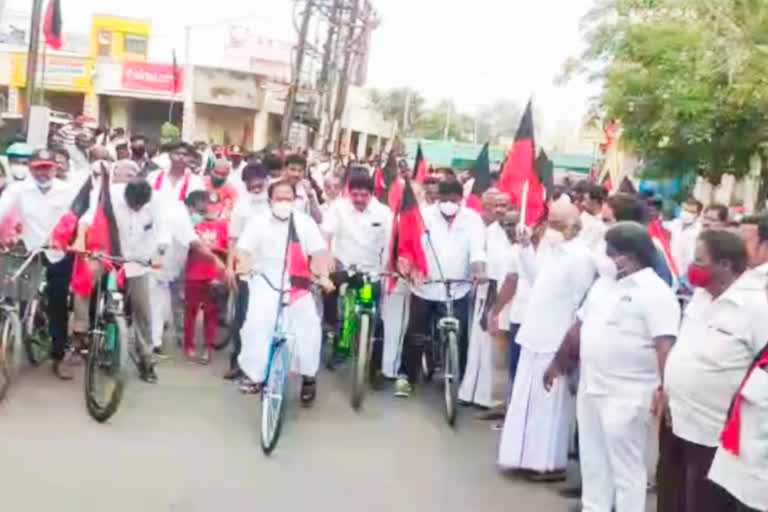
column 32, row 50
column 294, row 88
column 341, row 101
column 324, row 84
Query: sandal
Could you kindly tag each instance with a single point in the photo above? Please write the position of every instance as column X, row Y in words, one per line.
column 308, row 391
column 250, row 388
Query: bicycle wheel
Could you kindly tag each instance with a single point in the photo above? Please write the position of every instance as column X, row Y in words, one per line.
column 273, row 398
column 451, row 377
column 103, row 372
column 360, row 375
column 226, row 328
column 37, row 341
column 7, row 347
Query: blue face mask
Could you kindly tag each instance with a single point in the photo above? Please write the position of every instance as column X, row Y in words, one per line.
column 196, row 218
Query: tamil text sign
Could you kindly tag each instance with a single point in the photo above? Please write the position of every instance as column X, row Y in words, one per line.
column 150, row 76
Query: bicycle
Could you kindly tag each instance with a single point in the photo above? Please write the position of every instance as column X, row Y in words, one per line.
column 359, row 315
column 444, row 350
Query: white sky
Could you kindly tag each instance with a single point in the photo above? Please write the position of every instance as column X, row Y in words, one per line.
column 471, row 51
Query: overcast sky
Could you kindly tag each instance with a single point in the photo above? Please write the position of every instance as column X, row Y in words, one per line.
column 471, row 51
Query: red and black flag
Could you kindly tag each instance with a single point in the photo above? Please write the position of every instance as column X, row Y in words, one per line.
column 52, row 25
column 419, row 166
column 64, row 233
column 482, row 176
column 519, row 169
column 297, row 264
column 386, row 176
column 731, row 435
column 101, row 237
column 176, row 72
column 408, row 227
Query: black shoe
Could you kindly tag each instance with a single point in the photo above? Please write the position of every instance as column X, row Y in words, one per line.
column 159, row 353
column 61, row 372
column 570, row 492
column 233, row 374
column 308, row 391
column 147, row 372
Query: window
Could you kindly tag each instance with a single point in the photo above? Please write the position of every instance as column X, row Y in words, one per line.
column 135, row 44
column 105, row 43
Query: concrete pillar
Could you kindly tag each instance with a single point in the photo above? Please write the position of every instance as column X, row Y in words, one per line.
column 91, row 105
column 362, row 142
column 14, row 100
column 261, row 128
column 189, row 116
column 120, row 112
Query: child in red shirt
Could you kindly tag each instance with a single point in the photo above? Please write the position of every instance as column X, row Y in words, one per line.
column 222, row 194
column 201, row 272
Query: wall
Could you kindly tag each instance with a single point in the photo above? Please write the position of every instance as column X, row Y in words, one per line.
column 359, row 115
column 228, row 88
column 219, row 125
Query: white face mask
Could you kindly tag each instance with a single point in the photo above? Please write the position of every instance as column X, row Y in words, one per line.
column 448, row 208
column 606, row 267
column 687, row 217
column 553, row 236
column 44, row 185
column 259, row 197
column 282, row 209
column 19, row 171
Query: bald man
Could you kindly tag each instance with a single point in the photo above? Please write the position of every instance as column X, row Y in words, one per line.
column 561, row 270
column 488, row 200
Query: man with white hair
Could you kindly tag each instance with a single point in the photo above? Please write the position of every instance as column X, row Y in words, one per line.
column 561, row 270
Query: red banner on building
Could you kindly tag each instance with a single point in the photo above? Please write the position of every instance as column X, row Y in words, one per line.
column 150, row 76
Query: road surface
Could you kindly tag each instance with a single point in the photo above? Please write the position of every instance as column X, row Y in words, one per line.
column 190, row 443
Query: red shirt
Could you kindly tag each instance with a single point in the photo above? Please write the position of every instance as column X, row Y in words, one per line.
column 222, row 199
column 215, row 234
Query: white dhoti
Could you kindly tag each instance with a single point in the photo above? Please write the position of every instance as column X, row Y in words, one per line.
column 302, row 321
column 613, row 440
column 162, row 314
column 395, row 312
column 536, row 427
column 477, row 385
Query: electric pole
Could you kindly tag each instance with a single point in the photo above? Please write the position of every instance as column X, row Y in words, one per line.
column 296, row 82
column 32, row 50
column 341, row 96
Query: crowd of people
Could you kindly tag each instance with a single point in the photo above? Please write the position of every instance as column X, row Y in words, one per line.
column 603, row 314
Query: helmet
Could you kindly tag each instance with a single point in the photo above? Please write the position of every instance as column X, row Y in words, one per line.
column 19, row 150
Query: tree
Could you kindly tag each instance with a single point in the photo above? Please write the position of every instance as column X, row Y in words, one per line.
column 499, row 119
column 391, row 104
column 687, row 78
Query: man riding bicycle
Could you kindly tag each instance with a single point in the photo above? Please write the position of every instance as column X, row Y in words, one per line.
column 358, row 230
column 454, row 243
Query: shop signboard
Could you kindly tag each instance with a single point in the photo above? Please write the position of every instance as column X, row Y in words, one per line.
column 151, row 76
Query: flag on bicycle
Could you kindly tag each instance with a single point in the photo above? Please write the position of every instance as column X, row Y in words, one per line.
column 297, row 265
column 408, row 255
column 63, row 233
column 101, row 237
column 482, row 180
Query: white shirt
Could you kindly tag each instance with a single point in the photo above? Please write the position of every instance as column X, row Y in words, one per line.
column 502, row 260
column 457, row 244
column 171, row 190
column 39, row 212
column 182, row 234
column 718, row 341
column 236, row 178
column 745, row 476
column 140, row 232
column 620, row 319
column 246, row 208
column 560, row 273
column 265, row 237
column 592, row 229
column 359, row 238
column 682, row 242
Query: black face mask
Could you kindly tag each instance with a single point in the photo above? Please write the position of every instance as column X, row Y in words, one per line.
column 138, row 152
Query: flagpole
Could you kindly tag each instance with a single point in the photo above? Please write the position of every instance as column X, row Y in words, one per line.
column 524, row 205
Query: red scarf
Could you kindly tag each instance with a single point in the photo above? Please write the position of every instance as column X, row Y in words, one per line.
column 732, row 432
column 184, row 186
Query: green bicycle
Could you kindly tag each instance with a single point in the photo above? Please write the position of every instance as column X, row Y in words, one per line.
column 358, row 316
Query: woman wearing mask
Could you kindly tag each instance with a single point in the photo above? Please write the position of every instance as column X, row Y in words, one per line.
column 264, row 246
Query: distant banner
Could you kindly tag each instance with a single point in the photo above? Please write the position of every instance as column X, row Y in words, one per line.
column 150, row 76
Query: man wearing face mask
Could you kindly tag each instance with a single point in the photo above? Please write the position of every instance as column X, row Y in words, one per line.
column 683, row 233
column 18, row 155
column 560, row 271
column 222, row 194
column 253, row 204
column 40, row 202
column 621, row 337
column 262, row 246
column 454, row 245
column 723, row 331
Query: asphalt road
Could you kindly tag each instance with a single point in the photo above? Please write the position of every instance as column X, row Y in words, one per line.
column 190, row 444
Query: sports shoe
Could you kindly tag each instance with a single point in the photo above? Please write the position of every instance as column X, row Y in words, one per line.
column 206, row 357
column 308, row 391
column 159, row 353
column 403, row 388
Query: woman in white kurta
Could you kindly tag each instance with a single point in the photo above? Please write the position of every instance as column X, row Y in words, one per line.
column 263, row 243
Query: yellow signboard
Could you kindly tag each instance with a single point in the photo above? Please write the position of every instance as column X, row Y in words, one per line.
column 61, row 72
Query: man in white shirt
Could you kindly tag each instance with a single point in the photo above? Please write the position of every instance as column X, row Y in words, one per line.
column 592, row 225
column 683, row 233
column 41, row 202
column 622, row 336
column 262, row 246
column 306, row 201
column 358, row 230
column 253, row 204
column 562, row 270
column 723, row 331
column 454, row 244
column 178, row 181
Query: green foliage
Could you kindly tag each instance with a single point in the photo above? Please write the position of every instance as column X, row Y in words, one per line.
column 169, row 132
column 687, row 78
